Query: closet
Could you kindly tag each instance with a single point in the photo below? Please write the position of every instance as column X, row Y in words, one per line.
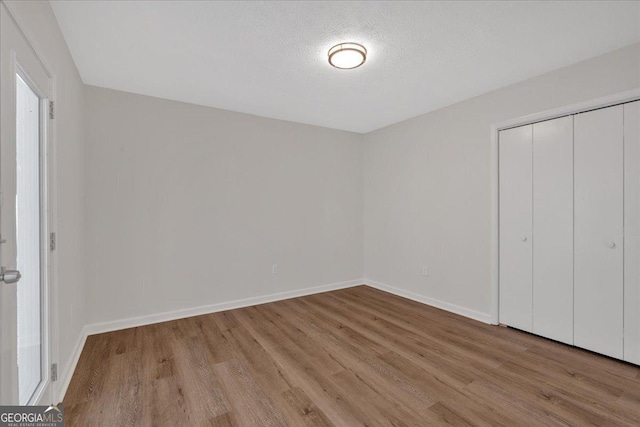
column 569, row 214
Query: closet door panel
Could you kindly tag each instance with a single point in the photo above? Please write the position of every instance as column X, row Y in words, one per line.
column 632, row 232
column 598, row 284
column 515, row 168
column 553, row 229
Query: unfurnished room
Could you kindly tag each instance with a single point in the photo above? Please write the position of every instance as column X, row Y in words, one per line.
column 319, row 213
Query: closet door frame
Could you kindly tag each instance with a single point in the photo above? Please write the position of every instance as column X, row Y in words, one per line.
column 603, row 102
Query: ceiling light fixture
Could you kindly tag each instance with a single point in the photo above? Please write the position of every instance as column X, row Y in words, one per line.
column 347, row 56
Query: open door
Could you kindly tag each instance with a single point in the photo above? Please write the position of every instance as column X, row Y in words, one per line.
column 25, row 90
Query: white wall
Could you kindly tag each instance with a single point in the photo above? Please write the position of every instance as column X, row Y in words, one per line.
column 428, row 182
column 37, row 21
column 190, row 206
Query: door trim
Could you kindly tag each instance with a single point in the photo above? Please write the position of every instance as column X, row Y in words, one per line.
column 47, row 391
column 43, row 142
column 580, row 107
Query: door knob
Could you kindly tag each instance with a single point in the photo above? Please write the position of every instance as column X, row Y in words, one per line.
column 611, row 244
column 524, row 238
column 9, row 276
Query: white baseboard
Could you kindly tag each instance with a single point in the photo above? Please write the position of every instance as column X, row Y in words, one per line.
column 97, row 328
column 65, row 375
column 131, row 322
column 462, row 311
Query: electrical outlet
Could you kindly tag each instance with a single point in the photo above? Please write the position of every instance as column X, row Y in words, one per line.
column 274, row 268
column 425, row 271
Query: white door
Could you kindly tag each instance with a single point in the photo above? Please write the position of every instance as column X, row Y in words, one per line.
column 553, row 229
column 632, row 232
column 24, row 91
column 598, row 287
column 515, row 169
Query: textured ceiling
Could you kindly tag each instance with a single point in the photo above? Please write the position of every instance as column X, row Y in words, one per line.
column 269, row 58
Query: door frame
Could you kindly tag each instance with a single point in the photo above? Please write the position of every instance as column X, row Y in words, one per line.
column 47, row 390
column 580, row 107
column 43, row 141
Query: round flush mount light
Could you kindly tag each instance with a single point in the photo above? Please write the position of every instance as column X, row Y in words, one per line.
column 347, row 56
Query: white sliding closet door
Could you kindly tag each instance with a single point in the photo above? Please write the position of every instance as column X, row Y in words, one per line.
column 516, row 179
column 598, row 286
column 632, row 232
column 553, row 229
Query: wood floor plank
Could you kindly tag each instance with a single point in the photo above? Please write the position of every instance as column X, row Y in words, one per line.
column 443, row 343
column 367, row 359
column 370, row 369
column 208, row 328
column 266, row 371
column 201, row 388
column 581, row 400
column 94, row 359
column 268, row 375
column 251, row 406
column 352, row 357
column 301, row 411
column 445, row 334
column 448, row 363
column 457, row 330
column 225, row 420
column 290, row 333
column 388, row 411
column 317, row 385
column 123, row 382
column 504, row 400
column 160, row 380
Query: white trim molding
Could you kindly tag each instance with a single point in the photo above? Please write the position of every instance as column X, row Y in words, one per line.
column 580, row 107
column 132, row 322
column 453, row 308
column 65, row 378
